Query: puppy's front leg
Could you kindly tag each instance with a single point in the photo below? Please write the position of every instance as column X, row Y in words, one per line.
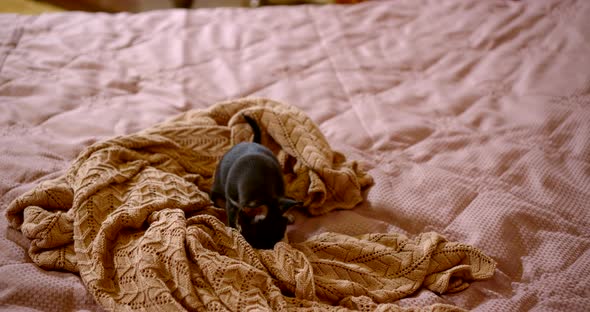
column 232, row 214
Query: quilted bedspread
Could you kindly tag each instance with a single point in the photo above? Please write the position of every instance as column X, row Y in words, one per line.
column 469, row 119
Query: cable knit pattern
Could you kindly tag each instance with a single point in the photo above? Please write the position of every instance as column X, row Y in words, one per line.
column 133, row 217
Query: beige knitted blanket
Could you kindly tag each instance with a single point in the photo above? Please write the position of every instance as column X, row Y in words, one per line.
column 133, row 218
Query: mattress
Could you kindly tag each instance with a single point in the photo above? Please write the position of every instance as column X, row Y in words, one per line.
column 471, row 118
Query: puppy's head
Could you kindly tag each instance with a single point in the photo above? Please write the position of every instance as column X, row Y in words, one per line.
column 266, row 233
column 255, row 211
column 264, row 225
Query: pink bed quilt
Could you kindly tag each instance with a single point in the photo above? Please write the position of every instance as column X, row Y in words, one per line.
column 472, row 118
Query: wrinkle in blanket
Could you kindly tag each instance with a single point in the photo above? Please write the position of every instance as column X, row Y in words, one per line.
column 133, row 218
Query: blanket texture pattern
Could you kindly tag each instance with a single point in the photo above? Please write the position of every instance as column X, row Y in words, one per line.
column 133, row 218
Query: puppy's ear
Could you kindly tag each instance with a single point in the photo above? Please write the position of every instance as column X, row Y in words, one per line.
column 287, row 203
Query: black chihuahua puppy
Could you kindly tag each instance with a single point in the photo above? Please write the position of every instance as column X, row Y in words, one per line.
column 249, row 184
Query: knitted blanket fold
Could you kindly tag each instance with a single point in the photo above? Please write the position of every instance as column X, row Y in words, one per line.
column 133, row 218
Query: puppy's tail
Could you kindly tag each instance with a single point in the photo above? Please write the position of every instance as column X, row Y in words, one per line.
column 254, row 126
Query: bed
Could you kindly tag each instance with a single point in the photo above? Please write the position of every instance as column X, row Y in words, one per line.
column 454, row 129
